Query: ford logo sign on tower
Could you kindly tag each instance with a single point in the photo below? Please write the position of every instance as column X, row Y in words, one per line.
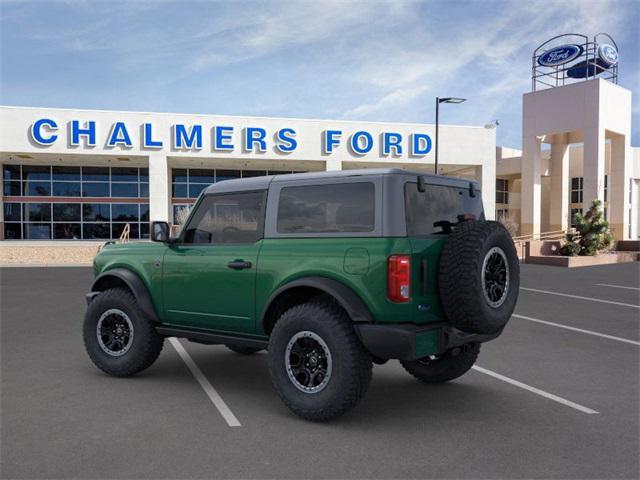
column 571, row 57
column 608, row 54
column 560, row 55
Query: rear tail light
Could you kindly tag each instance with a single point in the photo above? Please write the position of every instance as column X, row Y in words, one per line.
column 399, row 278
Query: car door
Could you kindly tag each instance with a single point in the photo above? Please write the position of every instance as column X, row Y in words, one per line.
column 209, row 273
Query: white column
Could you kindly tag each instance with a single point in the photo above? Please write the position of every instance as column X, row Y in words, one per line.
column 159, row 188
column 486, row 176
column 559, row 205
column 593, row 166
column 618, row 188
column 531, row 186
column 333, row 164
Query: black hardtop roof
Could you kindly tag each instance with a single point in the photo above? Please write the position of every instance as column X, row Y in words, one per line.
column 262, row 183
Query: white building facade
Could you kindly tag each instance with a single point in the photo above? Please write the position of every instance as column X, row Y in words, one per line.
column 85, row 174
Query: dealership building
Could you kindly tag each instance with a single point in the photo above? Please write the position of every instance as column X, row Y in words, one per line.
column 86, row 174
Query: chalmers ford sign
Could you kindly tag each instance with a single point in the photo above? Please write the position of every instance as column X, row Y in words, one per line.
column 222, row 138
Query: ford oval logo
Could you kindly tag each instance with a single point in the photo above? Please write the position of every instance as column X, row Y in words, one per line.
column 560, row 55
column 608, row 54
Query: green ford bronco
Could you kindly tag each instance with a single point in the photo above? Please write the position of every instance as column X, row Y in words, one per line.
column 329, row 272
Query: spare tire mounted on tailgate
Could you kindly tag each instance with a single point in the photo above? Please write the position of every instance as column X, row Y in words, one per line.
column 479, row 277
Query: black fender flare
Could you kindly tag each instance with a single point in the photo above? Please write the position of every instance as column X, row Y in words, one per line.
column 345, row 296
column 135, row 284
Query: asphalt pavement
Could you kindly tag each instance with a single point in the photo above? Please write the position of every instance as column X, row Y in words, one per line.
column 556, row 396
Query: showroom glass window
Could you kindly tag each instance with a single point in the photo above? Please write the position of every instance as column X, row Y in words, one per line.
column 73, row 202
column 576, row 189
column 502, row 190
column 188, row 183
column 234, row 218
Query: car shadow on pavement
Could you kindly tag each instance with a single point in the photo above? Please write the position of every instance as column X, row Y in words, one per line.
column 394, row 397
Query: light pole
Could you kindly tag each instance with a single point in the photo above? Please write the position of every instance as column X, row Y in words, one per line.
column 438, row 102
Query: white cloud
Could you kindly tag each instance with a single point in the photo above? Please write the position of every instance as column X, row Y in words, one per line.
column 488, row 56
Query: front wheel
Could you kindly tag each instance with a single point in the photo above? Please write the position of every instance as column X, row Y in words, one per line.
column 118, row 337
column 318, row 366
column 440, row 369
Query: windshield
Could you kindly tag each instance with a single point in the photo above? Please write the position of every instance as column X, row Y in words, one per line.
column 435, row 210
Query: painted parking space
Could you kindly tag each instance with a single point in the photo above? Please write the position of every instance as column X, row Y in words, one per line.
column 624, row 287
column 574, row 329
column 575, row 282
column 163, row 423
column 608, row 319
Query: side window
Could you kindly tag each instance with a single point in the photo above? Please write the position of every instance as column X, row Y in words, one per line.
column 331, row 208
column 229, row 218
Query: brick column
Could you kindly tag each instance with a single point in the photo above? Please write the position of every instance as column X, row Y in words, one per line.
column 618, row 188
column 593, row 166
column 531, row 186
column 559, row 207
column 159, row 188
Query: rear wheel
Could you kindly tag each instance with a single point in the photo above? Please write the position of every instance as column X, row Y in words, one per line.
column 118, row 337
column 440, row 369
column 243, row 350
column 318, row 366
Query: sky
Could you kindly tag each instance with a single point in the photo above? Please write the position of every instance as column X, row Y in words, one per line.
column 351, row 60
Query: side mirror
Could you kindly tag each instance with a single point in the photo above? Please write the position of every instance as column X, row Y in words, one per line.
column 160, row 232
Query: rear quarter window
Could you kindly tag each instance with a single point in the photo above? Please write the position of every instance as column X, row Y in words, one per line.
column 327, row 208
column 437, row 204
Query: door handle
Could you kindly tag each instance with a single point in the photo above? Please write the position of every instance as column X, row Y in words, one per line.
column 238, row 265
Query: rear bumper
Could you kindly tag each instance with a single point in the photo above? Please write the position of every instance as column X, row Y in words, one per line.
column 409, row 341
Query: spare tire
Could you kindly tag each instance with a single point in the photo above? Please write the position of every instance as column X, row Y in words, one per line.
column 479, row 277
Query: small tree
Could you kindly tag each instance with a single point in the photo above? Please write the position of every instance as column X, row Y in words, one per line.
column 510, row 225
column 182, row 214
column 591, row 235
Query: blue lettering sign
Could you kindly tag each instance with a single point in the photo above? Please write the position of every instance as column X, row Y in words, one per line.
column 331, row 138
column 391, row 140
column 255, row 136
column 147, row 137
column 357, row 146
column 286, row 140
column 37, row 134
column 186, row 139
column 221, row 137
column 420, row 144
column 89, row 131
column 119, row 136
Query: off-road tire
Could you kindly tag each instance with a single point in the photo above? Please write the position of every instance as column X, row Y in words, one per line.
column 351, row 371
column 145, row 345
column 243, row 350
column 445, row 368
column 460, row 277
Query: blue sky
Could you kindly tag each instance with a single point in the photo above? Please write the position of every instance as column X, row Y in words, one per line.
column 377, row 61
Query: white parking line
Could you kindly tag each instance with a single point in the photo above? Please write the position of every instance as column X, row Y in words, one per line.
column 211, row 392
column 616, row 286
column 580, row 298
column 567, row 327
column 537, row 391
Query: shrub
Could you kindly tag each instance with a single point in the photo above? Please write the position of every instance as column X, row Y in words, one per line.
column 591, row 235
column 510, row 225
column 182, row 214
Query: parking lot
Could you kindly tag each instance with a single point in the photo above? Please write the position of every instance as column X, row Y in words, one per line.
column 556, row 396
